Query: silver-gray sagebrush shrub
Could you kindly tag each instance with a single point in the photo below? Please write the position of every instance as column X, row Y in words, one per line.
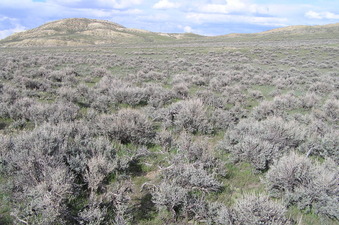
column 127, row 126
column 260, row 142
column 189, row 115
column 308, row 184
column 253, row 209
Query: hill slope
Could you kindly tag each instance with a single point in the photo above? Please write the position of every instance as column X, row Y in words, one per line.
column 329, row 31
column 81, row 31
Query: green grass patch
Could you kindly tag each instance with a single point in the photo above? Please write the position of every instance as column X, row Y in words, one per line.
column 240, row 179
column 93, row 82
column 5, row 122
column 302, row 218
column 301, row 111
column 5, row 208
column 251, row 103
column 77, row 203
column 265, row 90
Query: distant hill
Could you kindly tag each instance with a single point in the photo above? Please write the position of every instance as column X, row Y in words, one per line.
column 300, row 29
column 329, row 31
column 81, row 31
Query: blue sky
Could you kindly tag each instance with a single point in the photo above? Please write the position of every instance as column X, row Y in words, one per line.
column 206, row 17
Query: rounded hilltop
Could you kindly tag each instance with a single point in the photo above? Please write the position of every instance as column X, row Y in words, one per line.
column 78, row 25
column 78, row 32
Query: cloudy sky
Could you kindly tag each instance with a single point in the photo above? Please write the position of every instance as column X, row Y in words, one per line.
column 207, row 17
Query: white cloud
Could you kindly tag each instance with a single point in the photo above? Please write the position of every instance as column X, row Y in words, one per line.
column 100, row 13
column 19, row 4
column 7, row 32
column 159, row 17
column 287, row 10
column 188, row 29
column 321, row 15
column 313, row 15
column 64, row 2
column 10, row 25
column 116, row 4
column 223, row 18
column 119, row 4
column 232, row 6
column 3, row 18
column 165, row 4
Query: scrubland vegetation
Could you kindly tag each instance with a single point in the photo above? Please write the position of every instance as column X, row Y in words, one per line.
column 189, row 133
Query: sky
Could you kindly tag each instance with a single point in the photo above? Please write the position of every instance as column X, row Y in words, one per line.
column 205, row 17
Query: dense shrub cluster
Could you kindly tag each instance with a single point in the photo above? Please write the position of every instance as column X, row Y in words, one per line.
column 55, row 163
column 189, row 115
column 310, row 185
column 262, row 142
column 127, row 126
column 259, row 209
column 132, row 134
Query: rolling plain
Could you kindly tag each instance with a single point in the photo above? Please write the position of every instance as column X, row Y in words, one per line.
column 101, row 124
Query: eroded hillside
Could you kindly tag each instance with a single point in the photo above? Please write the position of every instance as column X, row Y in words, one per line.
column 82, row 32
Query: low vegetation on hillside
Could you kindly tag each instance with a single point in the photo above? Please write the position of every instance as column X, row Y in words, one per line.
column 86, row 32
column 187, row 133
